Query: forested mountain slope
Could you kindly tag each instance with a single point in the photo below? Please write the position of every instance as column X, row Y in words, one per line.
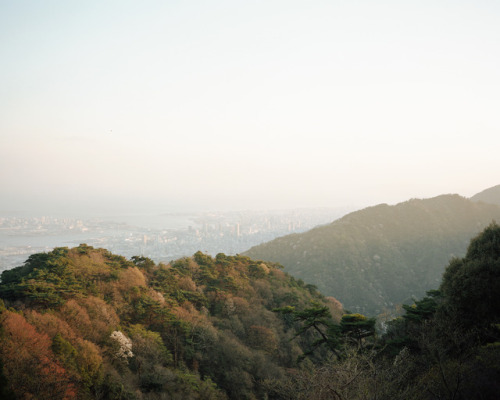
column 84, row 323
column 444, row 346
column 490, row 195
column 384, row 255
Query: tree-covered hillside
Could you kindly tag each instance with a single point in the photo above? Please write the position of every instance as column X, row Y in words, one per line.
column 382, row 256
column 445, row 346
column 83, row 323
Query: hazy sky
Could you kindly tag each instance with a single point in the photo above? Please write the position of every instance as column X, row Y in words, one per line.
column 246, row 104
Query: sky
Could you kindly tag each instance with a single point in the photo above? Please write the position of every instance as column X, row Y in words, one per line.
column 232, row 105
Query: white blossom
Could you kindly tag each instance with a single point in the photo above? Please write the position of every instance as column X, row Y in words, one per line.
column 125, row 345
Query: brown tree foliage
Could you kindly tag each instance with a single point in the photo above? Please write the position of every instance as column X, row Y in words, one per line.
column 91, row 316
column 29, row 363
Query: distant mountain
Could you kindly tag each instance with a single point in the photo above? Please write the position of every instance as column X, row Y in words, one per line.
column 384, row 255
column 491, row 195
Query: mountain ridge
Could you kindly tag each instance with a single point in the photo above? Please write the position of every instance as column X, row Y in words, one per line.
column 490, row 195
column 383, row 255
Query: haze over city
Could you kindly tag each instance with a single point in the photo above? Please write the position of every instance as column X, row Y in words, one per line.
column 177, row 106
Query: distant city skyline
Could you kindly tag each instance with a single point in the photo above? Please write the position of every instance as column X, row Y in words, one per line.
column 123, row 107
column 160, row 237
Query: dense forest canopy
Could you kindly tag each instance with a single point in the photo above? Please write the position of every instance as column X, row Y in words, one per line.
column 377, row 258
column 83, row 323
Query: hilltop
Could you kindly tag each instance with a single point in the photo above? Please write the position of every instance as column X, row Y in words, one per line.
column 490, row 195
column 382, row 256
column 85, row 323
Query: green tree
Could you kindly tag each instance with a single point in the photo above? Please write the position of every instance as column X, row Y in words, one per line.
column 317, row 319
column 143, row 263
column 471, row 285
column 357, row 327
column 64, row 351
